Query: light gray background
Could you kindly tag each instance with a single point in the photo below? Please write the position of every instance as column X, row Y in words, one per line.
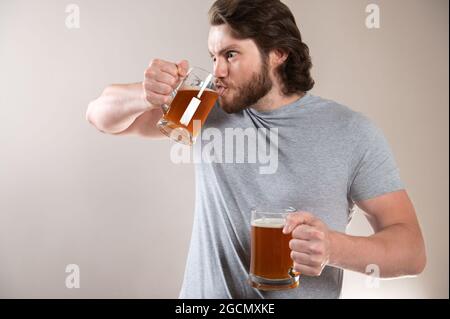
column 118, row 207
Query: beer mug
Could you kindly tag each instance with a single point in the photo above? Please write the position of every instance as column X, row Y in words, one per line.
column 271, row 266
column 192, row 100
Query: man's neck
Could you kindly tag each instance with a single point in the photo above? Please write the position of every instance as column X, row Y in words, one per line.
column 274, row 100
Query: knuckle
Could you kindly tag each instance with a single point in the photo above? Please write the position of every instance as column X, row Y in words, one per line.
column 149, row 73
column 292, row 255
column 315, row 234
column 155, row 61
column 173, row 81
column 320, row 251
column 315, row 249
column 292, row 244
column 320, row 235
column 297, row 231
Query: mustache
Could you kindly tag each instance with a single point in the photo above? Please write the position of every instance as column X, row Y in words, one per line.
column 221, row 84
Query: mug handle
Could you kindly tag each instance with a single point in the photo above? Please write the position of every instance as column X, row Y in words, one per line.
column 165, row 108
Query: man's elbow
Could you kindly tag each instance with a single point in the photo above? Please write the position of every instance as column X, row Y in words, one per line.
column 419, row 264
column 95, row 119
column 418, row 260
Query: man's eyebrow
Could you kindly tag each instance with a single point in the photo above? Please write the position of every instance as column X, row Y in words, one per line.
column 228, row 48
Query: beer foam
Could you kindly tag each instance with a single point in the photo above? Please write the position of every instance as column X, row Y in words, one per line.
column 194, row 88
column 269, row 222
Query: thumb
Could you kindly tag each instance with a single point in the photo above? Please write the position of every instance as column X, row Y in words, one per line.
column 183, row 67
column 298, row 218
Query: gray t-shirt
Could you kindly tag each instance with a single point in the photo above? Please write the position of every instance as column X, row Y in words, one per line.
column 328, row 156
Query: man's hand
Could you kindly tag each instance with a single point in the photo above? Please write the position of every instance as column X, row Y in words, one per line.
column 310, row 243
column 161, row 78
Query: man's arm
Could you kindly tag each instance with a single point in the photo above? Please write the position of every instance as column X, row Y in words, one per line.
column 123, row 109
column 397, row 247
column 136, row 108
column 120, row 108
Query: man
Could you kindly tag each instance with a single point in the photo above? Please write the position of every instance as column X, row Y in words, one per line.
column 329, row 159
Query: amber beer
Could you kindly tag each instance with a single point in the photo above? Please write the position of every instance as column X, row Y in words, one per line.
column 193, row 99
column 271, row 263
column 180, row 103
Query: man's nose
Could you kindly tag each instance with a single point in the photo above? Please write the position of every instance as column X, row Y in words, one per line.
column 220, row 69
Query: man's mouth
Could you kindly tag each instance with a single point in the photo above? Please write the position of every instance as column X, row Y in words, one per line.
column 221, row 90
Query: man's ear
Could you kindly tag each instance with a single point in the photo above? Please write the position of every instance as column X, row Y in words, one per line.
column 278, row 57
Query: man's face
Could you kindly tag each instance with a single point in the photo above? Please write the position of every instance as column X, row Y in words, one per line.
column 242, row 73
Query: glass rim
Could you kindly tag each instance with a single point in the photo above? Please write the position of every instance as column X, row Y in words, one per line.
column 274, row 210
column 194, row 67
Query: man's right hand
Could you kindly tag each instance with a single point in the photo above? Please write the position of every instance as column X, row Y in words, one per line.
column 161, row 78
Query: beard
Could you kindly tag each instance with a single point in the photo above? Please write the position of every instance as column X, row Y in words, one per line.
column 249, row 93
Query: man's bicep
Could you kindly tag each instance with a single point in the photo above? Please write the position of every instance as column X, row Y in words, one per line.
column 389, row 209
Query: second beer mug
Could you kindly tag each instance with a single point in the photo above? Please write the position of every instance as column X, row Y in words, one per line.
column 271, row 266
column 192, row 101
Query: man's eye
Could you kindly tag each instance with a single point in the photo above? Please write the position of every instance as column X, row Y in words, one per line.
column 231, row 54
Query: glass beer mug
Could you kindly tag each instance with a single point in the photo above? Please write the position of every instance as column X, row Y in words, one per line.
column 271, row 266
column 191, row 103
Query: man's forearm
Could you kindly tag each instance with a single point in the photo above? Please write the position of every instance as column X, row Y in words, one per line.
column 395, row 250
column 117, row 107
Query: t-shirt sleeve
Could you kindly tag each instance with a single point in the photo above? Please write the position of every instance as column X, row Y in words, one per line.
column 374, row 171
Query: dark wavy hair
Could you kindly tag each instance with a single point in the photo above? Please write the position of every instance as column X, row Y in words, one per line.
column 271, row 24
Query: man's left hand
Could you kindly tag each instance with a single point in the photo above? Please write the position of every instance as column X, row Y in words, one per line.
column 310, row 244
